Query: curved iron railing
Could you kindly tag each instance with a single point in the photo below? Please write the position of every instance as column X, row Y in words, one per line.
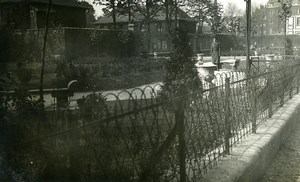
column 138, row 135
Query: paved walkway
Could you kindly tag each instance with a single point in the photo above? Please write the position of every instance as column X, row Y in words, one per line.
column 286, row 165
column 143, row 91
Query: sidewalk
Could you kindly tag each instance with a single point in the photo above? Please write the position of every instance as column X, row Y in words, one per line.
column 286, row 166
column 249, row 159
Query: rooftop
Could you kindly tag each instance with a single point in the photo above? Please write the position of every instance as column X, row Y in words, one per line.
column 138, row 17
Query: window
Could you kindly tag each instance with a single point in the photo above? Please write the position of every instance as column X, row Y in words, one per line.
column 154, row 46
column 298, row 21
column 298, row 11
column 164, row 45
column 291, row 21
column 158, row 45
column 32, row 13
column 159, row 27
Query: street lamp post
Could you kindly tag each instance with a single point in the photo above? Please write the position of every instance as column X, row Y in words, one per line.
column 248, row 32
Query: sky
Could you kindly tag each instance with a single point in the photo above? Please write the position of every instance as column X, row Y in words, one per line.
column 240, row 3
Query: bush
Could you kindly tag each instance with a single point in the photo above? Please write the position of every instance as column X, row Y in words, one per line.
column 111, row 74
column 20, row 122
column 23, row 73
column 180, row 67
column 92, row 107
column 117, row 43
column 289, row 47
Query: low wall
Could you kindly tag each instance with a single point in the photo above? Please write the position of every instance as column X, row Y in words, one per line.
column 250, row 158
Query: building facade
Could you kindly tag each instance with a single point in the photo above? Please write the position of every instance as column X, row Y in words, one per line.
column 159, row 34
column 268, row 22
column 31, row 14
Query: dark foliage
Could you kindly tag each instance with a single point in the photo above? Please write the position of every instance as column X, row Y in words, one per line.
column 20, row 122
column 289, row 47
column 180, row 68
column 23, row 73
column 110, row 74
column 91, row 107
column 116, row 43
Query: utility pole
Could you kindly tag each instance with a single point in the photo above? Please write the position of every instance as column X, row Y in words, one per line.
column 284, row 49
column 248, row 32
column 215, row 36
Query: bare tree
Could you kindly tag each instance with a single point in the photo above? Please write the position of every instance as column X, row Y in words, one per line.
column 284, row 13
column 232, row 10
column 148, row 9
column 125, row 7
column 232, row 21
column 111, row 8
column 216, row 19
column 171, row 8
column 201, row 10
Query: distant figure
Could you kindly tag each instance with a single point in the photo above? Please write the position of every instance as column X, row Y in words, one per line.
column 215, row 53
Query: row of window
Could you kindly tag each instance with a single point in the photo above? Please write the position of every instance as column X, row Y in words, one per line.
column 275, row 12
column 291, row 21
column 160, row 45
column 158, row 27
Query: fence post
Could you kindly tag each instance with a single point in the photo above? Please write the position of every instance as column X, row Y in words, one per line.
column 179, row 117
column 291, row 91
column 270, row 89
column 227, row 116
column 74, row 151
column 282, row 88
column 254, row 105
column 291, row 85
column 297, row 80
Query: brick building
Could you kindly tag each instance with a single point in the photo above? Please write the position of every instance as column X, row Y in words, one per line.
column 31, row 14
column 268, row 22
column 159, row 41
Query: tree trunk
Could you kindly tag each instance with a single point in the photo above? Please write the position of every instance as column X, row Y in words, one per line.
column 284, row 49
column 129, row 10
column 114, row 15
column 167, row 16
column 41, row 90
column 176, row 13
column 148, row 25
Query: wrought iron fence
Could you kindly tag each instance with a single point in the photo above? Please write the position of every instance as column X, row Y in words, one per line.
column 138, row 135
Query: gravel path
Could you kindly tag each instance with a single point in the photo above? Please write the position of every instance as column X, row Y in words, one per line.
column 286, row 166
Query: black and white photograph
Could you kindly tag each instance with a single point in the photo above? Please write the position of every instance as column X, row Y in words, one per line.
column 149, row 91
